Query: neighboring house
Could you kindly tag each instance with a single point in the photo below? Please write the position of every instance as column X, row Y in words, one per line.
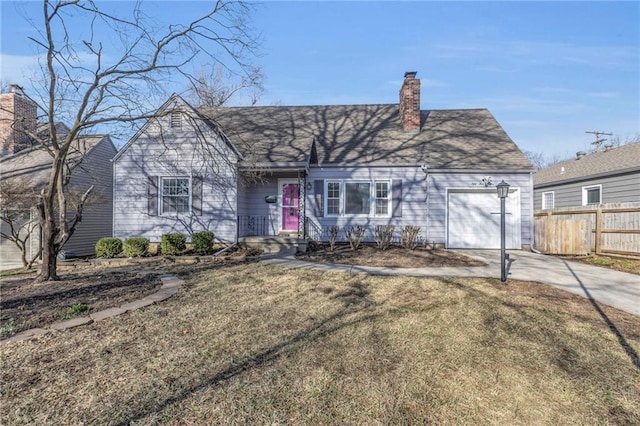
column 609, row 176
column 297, row 170
column 24, row 164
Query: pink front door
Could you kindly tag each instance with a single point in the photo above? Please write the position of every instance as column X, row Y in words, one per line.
column 290, row 198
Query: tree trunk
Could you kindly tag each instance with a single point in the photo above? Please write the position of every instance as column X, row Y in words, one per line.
column 48, row 269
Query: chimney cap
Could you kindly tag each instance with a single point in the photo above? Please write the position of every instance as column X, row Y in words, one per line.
column 410, row 74
column 17, row 89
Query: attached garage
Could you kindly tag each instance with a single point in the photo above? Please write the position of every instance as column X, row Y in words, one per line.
column 473, row 218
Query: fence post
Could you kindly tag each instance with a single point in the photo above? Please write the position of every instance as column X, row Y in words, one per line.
column 599, row 223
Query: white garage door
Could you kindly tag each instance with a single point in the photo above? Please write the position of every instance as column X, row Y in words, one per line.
column 474, row 219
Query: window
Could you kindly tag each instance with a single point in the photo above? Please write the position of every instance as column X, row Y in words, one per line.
column 175, row 196
column 333, row 198
column 382, row 198
column 547, row 200
column 176, row 120
column 352, row 198
column 357, row 198
column 591, row 194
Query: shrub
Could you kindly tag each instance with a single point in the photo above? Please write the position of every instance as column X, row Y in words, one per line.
column 135, row 247
column 383, row 234
column 333, row 236
column 354, row 235
column 409, row 236
column 108, row 247
column 202, row 242
column 173, row 243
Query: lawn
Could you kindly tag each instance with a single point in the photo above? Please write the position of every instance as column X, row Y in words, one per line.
column 258, row 344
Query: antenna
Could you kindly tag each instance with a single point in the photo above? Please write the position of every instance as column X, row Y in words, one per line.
column 598, row 142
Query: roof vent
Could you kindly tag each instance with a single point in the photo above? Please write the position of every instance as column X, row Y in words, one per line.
column 608, row 147
column 580, row 154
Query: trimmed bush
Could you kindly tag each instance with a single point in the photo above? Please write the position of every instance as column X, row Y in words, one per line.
column 202, row 242
column 173, row 243
column 135, row 247
column 383, row 235
column 355, row 235
column 409, row 236
column 333, row 231
column 108, row 247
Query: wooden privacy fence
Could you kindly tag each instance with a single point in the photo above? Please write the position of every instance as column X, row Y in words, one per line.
column 607, row 228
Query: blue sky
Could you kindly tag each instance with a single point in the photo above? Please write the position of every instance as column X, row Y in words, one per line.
column 548, row 71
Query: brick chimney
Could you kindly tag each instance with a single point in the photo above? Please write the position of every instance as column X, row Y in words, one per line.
column 410, row 102
column 18, row 115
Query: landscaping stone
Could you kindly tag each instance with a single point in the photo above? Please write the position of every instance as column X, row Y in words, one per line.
column 26, row 335
column 137, row 304
column 75, row 322
column 107, row 313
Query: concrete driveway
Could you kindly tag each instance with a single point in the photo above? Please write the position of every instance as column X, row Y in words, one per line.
column 618, row 289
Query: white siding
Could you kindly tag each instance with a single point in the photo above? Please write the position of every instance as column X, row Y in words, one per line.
column 179, row 152
column 424, row 199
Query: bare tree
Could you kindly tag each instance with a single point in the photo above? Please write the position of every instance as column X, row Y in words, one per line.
column 540, row 160
column 213, row 86
column 101, row 69
column 17, row 198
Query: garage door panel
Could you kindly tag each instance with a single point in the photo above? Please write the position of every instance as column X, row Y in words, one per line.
column 474, row 220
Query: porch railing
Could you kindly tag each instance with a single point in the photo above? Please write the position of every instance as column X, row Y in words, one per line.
column 250, row 226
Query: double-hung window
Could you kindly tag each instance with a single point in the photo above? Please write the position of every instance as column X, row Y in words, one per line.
column 358, row 198
column 175, row 195
column 333, row 198
column 547, row 200
column 383, row 198
column 591, row 194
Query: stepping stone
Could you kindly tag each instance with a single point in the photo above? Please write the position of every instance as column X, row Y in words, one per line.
column 137, row 304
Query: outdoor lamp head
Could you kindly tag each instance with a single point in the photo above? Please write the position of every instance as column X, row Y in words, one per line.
column 503, row 189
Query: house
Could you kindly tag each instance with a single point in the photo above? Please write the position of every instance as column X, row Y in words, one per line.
column 298, row 170
column 28, row 166
column 609, row 176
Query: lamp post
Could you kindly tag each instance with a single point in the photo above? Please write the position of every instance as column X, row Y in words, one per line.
column 503, row 193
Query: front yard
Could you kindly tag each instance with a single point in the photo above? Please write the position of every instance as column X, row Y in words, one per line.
column 257, row 344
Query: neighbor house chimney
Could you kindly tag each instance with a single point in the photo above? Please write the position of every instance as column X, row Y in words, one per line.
column 410, row 102
column 18, row 117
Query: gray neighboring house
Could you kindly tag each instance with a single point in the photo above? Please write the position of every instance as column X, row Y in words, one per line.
column 609, row 176
column 318, row 166
column 89, row 157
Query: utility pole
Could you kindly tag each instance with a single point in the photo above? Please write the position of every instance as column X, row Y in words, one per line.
column 598, row 142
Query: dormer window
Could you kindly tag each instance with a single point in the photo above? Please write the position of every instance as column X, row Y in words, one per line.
column 176, row 120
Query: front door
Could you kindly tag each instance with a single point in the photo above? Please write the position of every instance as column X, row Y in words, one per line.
column 290, row 211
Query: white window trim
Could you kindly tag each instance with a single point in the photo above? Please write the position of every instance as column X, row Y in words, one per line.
column 161, row 196
column 372, row 197
column 553, row 200
column 585, row 189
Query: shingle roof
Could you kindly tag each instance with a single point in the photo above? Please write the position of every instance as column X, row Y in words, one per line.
column 35, row 163
column 625, row 157
column 368, row 135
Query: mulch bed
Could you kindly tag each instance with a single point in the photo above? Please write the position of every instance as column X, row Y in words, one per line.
column 25, row 304
column 393, row 257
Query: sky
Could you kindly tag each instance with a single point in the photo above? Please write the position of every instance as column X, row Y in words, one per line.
column 548, row 71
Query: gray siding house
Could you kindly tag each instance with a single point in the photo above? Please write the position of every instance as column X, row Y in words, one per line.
column 609, row 176
column 297, row 170
column 29, row 166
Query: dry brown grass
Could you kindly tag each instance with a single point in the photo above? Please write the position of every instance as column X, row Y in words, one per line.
column 258, row 344
column 622, row 264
